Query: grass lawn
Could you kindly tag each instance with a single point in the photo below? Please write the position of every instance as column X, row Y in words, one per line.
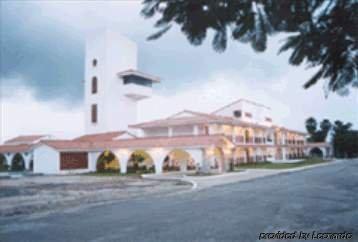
column 269, row 165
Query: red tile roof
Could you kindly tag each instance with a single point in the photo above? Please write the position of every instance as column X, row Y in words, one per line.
column 15, row 148
column 108, row 136
column 24, row 139
column 178, row 141
column 197, row 118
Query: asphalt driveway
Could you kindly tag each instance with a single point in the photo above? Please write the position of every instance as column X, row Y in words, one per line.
column 322, row 199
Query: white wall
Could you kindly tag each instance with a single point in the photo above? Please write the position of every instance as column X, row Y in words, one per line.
column 46, row 160
column 183, row 130
column 155, row 132
column 259, row 112
column 92, row 160
column 114, row 54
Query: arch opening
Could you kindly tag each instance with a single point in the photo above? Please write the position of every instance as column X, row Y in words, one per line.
column 178, row 160
column 31, row 165
column 107, row 162
column 3, row 164
column 316, row 152
column 18, row 163
column 140, row 162
column 240, row 157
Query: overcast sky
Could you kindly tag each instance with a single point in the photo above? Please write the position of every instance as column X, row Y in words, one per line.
column 41, row 69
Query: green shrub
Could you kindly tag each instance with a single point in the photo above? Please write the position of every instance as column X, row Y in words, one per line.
column 18, row 163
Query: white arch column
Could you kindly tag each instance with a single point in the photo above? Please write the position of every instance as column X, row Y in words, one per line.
column 92, row 160
column 27, row 156
column 222, row 160
column 284, row 155
column 123, row 155
column 207, row 160
column 158, row 155
column 8, row 158
column 228, row 156
column 324, row 152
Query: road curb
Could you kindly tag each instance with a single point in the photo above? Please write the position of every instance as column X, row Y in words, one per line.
column 194, row 182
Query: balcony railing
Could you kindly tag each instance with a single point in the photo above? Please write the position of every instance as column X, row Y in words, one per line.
column 250, row 140
column 294, row 142
column 239, row 139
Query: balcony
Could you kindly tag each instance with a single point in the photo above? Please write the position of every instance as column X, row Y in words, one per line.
column 137, row 92
column 250, row 140
column 294, row 142
column 137, row 85
column 239, row 139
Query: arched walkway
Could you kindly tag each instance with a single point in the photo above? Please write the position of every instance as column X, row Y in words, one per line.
column 178, row 160
column 18, row 163
column 107, row 162
column 239, row 156
column 3, row 164
column 316, row 152
column 140, row 162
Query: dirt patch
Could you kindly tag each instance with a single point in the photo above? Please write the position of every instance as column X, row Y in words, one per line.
column 37, row 194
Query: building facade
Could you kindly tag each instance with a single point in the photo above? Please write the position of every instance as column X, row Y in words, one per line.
column 240, row 132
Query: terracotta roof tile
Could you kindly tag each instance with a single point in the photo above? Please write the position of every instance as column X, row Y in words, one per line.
column 108, row 136
column 15, row 148
column 197, row 118
column 178, row 141
column 24, row 139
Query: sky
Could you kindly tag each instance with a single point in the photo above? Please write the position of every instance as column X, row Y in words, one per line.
column 42, row 68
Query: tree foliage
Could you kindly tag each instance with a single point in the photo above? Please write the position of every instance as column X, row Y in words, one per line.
column 323, row 33
column 136, row 160
column 311, row 127
column 344, row 139
column 104, row 160
column 317, row 135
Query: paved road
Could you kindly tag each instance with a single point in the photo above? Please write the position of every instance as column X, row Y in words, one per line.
column 322, row 198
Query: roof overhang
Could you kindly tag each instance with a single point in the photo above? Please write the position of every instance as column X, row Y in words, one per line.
column 140, row 74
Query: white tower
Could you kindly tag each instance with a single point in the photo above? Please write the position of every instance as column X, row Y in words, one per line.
column 113, row 86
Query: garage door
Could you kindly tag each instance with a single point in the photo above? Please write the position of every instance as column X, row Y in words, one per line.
column 73, row 160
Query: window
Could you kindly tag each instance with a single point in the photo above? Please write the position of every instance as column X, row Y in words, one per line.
column 94, row 113
column 237, row 113
column 94, row 85
column 73, row 160
column 249, row 115
column 94, row 62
